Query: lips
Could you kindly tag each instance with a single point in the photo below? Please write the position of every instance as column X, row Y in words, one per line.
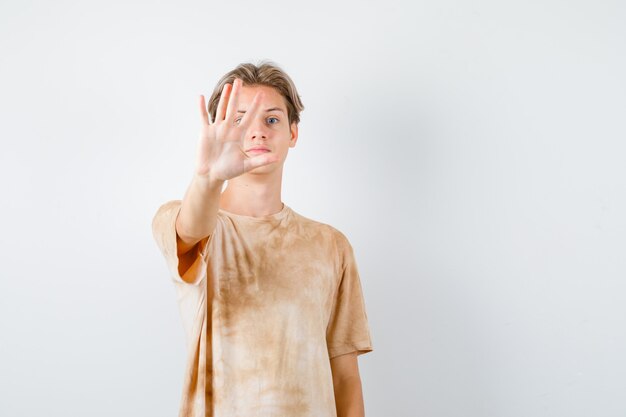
column 258, row 149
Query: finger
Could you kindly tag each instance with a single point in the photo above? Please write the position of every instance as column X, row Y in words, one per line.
column 203, row 113
column 259, row 160
column 221, row 106
column 231, row 108
column 254, row 110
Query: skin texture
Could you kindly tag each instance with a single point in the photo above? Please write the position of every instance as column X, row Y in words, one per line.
column 244, row 120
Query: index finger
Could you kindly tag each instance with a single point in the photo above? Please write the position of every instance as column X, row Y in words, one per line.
column 255, row 108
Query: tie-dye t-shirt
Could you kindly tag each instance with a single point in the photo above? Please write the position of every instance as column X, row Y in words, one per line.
column 266, row 304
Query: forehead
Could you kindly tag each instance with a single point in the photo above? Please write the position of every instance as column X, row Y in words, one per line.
column 272, row 98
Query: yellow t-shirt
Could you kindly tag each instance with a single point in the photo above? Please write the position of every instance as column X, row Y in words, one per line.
column 283, row 295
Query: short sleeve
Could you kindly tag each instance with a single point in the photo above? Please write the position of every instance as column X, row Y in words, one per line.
column 164, row 232
column 348, row 328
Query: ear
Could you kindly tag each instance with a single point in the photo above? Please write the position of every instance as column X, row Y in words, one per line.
column 294, row 134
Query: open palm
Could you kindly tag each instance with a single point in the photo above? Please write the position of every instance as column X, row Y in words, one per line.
column 220, row 154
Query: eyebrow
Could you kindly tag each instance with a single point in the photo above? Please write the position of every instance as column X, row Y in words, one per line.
column 268, row 110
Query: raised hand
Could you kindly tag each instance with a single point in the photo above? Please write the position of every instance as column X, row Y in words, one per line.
column 220, row 154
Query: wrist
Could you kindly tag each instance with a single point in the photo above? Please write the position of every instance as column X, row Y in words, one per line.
column 207, row 183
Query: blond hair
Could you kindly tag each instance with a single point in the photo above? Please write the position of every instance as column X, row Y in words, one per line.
column 265, row 73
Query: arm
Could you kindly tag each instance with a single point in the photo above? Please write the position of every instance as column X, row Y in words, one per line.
column 196, row 219
column 198, row 212
column 347, row 386
column 220, row 157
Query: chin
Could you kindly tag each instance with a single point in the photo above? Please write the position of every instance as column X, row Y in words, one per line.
column 259, row 170
column 262, row 170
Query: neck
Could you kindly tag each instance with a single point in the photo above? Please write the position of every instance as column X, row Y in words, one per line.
column 253, row 195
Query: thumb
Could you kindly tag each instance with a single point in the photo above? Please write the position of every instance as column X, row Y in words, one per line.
column 259, row 160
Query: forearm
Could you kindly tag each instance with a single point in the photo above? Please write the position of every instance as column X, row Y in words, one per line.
column 198, row 212
column 349, row 397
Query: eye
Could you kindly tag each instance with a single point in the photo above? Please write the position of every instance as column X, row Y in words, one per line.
column 238, row 120
column 272, row 120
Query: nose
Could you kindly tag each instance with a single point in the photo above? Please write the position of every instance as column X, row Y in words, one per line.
column 258, row 130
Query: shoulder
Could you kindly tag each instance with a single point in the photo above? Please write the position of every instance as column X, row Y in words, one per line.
column 169, row 206
column 165, row 214
column 317, row 228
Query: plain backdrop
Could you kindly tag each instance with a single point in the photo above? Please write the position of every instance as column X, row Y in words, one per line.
column 472, row 152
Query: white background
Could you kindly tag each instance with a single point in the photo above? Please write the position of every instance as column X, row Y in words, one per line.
column 472, row 152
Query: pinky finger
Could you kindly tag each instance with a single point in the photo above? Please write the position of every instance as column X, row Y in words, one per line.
column 203, row 112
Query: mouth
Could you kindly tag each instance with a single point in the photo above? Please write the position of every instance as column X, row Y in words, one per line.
column 258, row 150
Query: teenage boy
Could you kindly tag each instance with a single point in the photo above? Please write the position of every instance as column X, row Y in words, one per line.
column 271, row 301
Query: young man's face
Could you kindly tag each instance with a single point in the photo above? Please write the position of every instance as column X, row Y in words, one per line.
column 270, row 129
